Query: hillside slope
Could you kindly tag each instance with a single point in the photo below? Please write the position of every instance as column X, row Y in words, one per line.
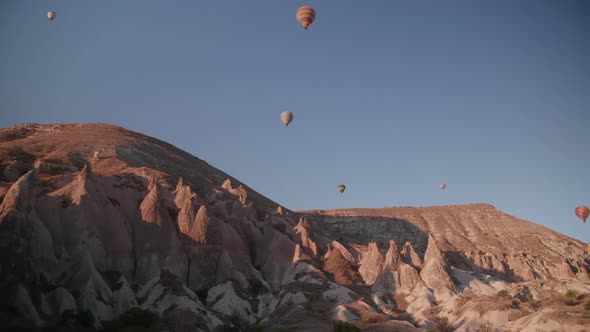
column 65, row 148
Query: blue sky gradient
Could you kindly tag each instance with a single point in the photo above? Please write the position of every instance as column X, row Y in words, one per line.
column 390, row 97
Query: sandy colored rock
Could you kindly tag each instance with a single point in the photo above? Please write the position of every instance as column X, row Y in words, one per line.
column 371, row 264
column 435, row 272
column 410, row 256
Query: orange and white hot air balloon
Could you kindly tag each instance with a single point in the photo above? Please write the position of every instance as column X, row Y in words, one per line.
column 51, row 15
column 443, row 186
column 305, row 16
column 582, row 212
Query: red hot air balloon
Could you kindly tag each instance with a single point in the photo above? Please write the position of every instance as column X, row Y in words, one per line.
column 443, row 186
column 582, row 212
column 305, row 16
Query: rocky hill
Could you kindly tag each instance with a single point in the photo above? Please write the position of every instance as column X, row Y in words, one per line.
column 96, row 217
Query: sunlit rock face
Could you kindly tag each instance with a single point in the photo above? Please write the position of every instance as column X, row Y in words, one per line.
column 96, row 217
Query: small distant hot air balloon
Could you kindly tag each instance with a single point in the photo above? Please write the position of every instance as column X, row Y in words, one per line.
column 582, row 212
column 341, row 188
column 443, row 186
column 51, row 15
column 305, row 16
column 286, row 117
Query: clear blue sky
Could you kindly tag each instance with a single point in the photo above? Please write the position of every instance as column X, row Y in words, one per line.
column 390, row 97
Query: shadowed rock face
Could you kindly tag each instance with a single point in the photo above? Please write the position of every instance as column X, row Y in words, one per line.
column 97, row 217
column 474, row 236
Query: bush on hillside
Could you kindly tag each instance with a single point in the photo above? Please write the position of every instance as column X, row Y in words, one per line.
column 503, row 293
column 85, row 318
column 232, row 328
column 68, row 318
column 133, row 318
column 486, row 327
column 442, row 325
column 80, row 319
column 139, row 317
column 227, row 328
column 570, row 298
column 342, row 326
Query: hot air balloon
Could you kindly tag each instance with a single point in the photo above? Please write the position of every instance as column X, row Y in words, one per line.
column 341, row 188
column 582, row 212
column 286, row 117
column 51, row 15
column 443, row 186
column 305, row 16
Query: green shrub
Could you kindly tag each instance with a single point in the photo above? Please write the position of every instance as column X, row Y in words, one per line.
column 570, row 298
column 570, row 302
column 68, row 318
column 529, row 296
column 342, row 326
column 85, row 318
column 75, row 320
column 587, row 306
column 227, row 328
column 132, row 318
column 138, row 317
column 503, row 293
column 486, row 327
column 442, row 325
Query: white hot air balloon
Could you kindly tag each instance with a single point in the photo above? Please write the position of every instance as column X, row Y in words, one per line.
column 286, row 118
column 51, row 15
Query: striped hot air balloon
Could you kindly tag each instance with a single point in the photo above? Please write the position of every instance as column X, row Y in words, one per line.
column 582, row 212
column 305, row 16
